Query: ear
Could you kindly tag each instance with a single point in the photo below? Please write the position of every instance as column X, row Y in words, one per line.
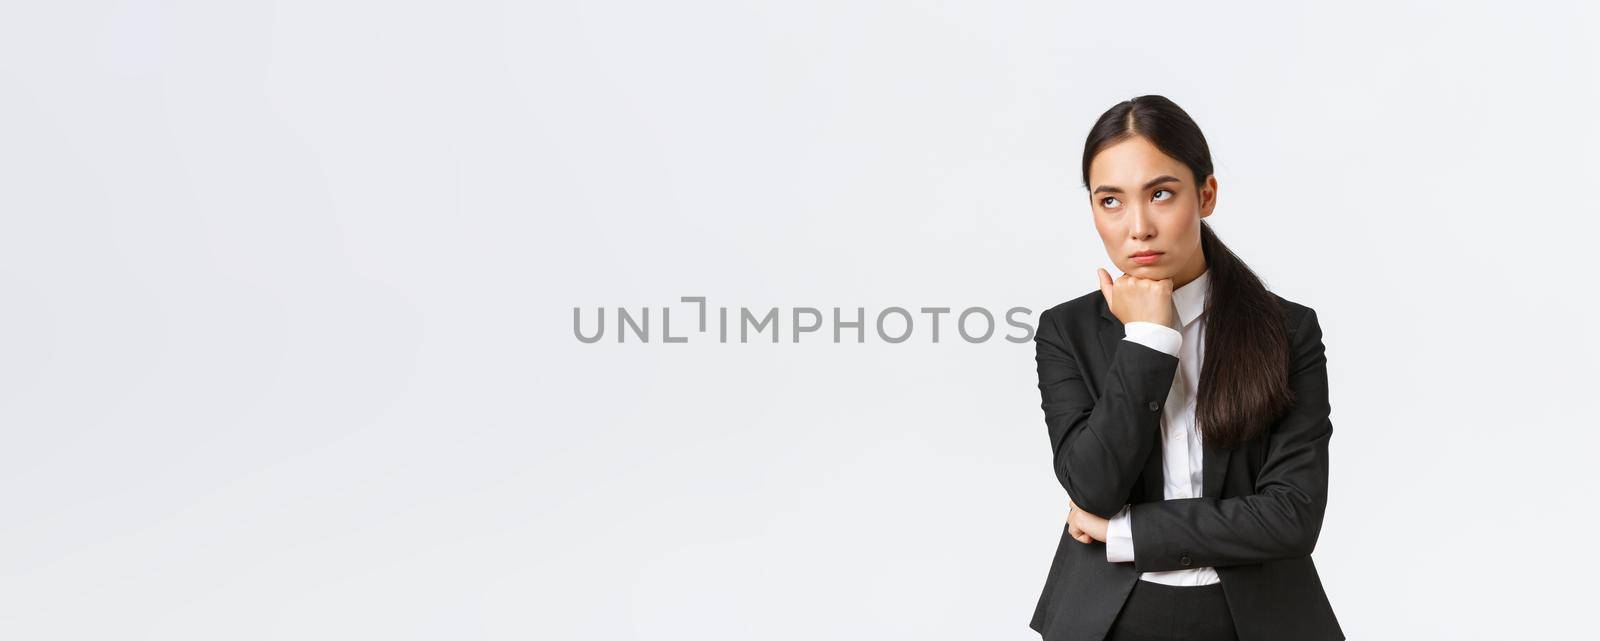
column 1208, row 196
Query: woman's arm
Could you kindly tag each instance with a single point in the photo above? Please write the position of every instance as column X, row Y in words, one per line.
column 1100, row 444
column 1283, row 518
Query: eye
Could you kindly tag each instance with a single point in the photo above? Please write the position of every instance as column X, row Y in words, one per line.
column 1168, row 192
column 1103, row 202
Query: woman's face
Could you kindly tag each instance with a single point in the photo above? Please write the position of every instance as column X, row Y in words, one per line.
column 1144, row 200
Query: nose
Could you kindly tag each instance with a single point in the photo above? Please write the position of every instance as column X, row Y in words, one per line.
column 1140, row 226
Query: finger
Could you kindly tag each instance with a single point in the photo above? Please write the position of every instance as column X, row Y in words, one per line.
column 1105, row 284
column 1084, row 539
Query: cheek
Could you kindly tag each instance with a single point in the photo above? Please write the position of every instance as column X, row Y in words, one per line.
column 1193, row 229
column 1108, row 232
column 1187, row 236
column 1183, row 223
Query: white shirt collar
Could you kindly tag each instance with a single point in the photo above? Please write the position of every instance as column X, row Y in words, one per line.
column 1191, row 298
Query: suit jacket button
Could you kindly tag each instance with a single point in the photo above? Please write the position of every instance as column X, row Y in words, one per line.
column 1154, row 406
column 1184, row 560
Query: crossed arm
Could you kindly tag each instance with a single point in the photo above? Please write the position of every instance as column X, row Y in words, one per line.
column 1100, row 444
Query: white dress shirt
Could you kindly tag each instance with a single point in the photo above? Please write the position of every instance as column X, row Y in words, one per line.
column 1181, row 452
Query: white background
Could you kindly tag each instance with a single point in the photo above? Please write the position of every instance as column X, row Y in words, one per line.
column 288, row 293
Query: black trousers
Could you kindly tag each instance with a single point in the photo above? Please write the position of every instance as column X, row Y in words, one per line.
column 1160, row 612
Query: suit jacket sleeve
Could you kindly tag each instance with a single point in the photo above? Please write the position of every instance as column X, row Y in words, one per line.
column 1283, row 517
column 1100, row 444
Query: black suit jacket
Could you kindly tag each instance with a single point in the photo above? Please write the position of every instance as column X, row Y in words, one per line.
column 1257, row 520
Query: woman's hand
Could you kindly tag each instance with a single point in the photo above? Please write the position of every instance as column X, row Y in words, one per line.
column 1139, row 299
column 1083, row 526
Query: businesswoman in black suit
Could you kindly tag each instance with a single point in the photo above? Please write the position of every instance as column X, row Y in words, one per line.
column 1187, row 409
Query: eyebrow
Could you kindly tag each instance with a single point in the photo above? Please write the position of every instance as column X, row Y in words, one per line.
column 1153, row 182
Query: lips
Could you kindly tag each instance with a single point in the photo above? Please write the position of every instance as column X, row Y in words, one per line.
column 1147, row 253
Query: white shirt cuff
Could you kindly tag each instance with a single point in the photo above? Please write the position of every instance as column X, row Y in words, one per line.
column 1119, row 537
column 1154, row 336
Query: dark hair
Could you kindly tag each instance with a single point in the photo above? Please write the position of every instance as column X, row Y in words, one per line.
column 1245, row 326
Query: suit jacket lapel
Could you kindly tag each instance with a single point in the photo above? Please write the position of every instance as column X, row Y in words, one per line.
column 1214, row 463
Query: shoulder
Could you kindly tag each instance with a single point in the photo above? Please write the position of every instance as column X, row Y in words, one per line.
column 1084, row 309
column 1301, row 318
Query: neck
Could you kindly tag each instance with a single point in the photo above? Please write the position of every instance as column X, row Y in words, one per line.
column 1189, row 273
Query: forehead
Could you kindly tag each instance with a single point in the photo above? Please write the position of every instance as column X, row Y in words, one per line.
column 1131, row 162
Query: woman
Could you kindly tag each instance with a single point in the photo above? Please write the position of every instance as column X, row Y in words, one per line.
column 1187, row 409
